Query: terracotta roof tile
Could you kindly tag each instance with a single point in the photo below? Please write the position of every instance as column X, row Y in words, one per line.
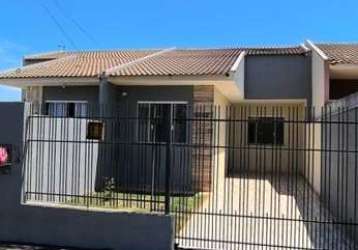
column 77, row 64
column 198, row 61
column 47, row 55
column 184, row 62
column 298, row 50
column 141, row 62
column 340, row 53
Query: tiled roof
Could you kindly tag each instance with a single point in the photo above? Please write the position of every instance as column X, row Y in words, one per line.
column 340, row 53
column 197, row 61
column 184, row 62
column 79, row 64
column 177, row 62
column 297, row 50
column 47, row 55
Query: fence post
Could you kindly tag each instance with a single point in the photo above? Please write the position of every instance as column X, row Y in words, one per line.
column 168, row 162
column 167, row 176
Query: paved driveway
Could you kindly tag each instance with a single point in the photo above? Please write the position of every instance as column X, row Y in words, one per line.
column 262, row 213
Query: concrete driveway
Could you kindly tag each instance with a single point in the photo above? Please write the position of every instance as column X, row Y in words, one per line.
column 268, row 212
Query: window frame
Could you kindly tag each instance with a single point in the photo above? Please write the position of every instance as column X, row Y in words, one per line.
column 66, row 102
column 256, row 120
column 88, row 130
column 171, row 103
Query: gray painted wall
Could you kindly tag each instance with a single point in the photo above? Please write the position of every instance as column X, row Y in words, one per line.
column 278, row 77
column 118, row 160
column 153, row 93
column 69, row 227
column 73, row 93
column 181, row 169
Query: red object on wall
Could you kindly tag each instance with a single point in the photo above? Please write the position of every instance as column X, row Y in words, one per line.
column 4, row 156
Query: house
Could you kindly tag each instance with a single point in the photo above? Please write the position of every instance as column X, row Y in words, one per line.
column 164, row 81
column 183, row 122
column 142, row 83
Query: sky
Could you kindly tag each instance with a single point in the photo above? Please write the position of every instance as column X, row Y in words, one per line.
column 35, row 26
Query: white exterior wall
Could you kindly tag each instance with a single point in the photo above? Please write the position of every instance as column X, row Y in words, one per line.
column 320, row 78
column 239, row 76
column 313, row 157
column 32, row 94
column 320, row 95
column 318, row 81
column 220, row 153
column 68, row 167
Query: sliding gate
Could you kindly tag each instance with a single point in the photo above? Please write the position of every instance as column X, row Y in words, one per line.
column 271, row 178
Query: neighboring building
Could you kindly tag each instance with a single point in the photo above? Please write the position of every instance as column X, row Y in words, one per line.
column 334, row 71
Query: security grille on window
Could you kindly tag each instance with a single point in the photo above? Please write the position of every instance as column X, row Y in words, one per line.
column 155, row 120
column 95, row 131
column 266, row 130
column 66, row 109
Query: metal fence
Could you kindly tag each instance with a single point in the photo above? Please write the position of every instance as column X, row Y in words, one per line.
column 238, row 177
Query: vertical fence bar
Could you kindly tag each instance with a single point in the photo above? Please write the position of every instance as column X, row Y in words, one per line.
column 168, row 164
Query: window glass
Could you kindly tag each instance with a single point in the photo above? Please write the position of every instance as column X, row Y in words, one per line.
column 266, row 130
column 66, row 109
column 180, row 123
column 155, row 121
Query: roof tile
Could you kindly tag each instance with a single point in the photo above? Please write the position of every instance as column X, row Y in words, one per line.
column 177, row 62
column 340, row 53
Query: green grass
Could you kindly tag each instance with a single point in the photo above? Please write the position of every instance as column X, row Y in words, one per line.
column 137, row 202
column 180, row 206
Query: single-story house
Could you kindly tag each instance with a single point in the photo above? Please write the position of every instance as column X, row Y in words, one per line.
column 172, row 83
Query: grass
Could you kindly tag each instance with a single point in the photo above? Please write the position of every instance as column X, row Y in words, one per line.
column 180, row 206
column 137, row 202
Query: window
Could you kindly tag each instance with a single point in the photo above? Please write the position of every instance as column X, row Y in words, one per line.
column 66, row 109
column 95, row 131
column 266, row 130
column 159, row 120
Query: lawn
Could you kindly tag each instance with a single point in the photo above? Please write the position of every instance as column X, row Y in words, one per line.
column 137, row 202
column 143, row 203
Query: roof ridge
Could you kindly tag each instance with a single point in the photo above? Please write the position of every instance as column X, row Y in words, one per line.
column 272, row 47
column 160, row 49
column 44, row 54
column 313, row 46
column 337, row 43
column 110, row 71
column 114, row 50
